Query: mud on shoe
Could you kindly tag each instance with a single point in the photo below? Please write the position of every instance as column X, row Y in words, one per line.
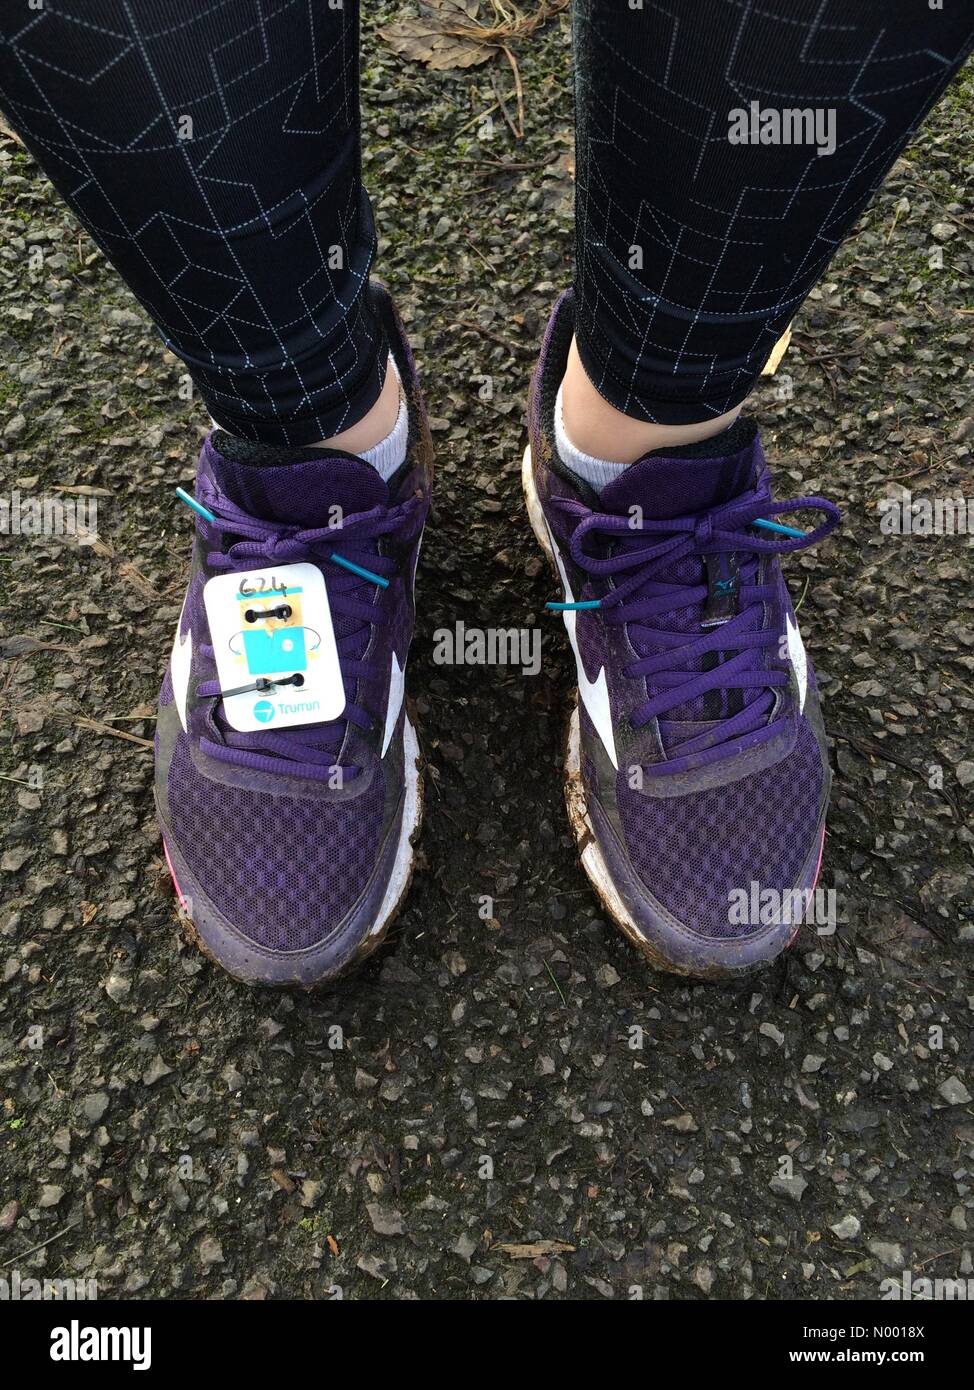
column 288, row 782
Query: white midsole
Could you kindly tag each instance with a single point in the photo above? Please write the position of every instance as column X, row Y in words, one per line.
column 405, row 851
column 593, row 861
column 536, row 515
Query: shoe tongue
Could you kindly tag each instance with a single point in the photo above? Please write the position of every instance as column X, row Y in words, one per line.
column 666, row 486
column 301, row 491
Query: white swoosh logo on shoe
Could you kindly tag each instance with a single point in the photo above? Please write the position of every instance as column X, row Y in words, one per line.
column 798, row 659
column 594, row 694
column 179, row 668
column 397, row 675
column 397, row 687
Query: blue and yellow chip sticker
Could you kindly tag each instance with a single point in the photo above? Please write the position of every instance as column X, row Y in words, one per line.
column 273, row 643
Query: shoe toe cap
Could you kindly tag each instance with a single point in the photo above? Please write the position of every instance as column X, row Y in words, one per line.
column 275, row 884
column 716, row 873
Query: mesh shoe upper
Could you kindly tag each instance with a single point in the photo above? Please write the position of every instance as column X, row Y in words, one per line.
column 691, row 851
column 273, row 862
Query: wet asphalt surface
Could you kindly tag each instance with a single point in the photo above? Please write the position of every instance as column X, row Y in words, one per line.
column 503, row 1103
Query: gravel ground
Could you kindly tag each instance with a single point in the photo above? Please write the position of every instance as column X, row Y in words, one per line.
column 509, row 1107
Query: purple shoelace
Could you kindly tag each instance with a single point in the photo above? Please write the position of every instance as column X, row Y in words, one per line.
column 646, row 594
column 310, row 751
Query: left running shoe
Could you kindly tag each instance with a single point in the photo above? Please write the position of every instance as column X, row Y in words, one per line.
column 290, row 837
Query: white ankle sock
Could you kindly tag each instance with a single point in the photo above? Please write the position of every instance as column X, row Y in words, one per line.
column 598, row 472
column 390, row 453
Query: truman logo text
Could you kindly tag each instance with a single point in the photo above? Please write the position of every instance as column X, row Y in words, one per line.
column 265, row 711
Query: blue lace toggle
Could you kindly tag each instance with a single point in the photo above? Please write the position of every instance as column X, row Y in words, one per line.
column 196, row 506
column 574, row 607
column 777, row 526
column 362, row 573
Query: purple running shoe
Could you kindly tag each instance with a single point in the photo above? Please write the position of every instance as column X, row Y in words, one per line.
column 697, row 776
column 288, row 779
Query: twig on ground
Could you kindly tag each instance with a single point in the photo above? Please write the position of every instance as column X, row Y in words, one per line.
column 97, row 727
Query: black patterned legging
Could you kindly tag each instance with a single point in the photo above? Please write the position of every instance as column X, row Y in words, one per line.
column 725, row 147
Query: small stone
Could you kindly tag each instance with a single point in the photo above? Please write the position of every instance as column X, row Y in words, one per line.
column 812, row 1063
column 684, row 1123
column 770, row 1031
column 887, row 1253
column 94, row 1106
column 311, row 1191
column 155, row 1071
column 965, row 774
column 15, row 859
column 848, row 1228
column 607, row 976
column 51, row 1195
column 703, row 1277
column 118, row 911
column 124, row 318
column 392, row 1087
column 118, row 987
column 386, row 1221
column 954, row 1091
column 8, row 1215
column 464, row 1246
column 793, row 1188
column 211, row 1252
column 395, row 972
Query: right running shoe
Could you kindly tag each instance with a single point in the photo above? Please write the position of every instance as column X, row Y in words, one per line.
column 697, row 775
column 288, row 781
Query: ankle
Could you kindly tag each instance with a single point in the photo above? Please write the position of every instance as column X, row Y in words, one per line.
column 376, row 425
column 595, row 427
